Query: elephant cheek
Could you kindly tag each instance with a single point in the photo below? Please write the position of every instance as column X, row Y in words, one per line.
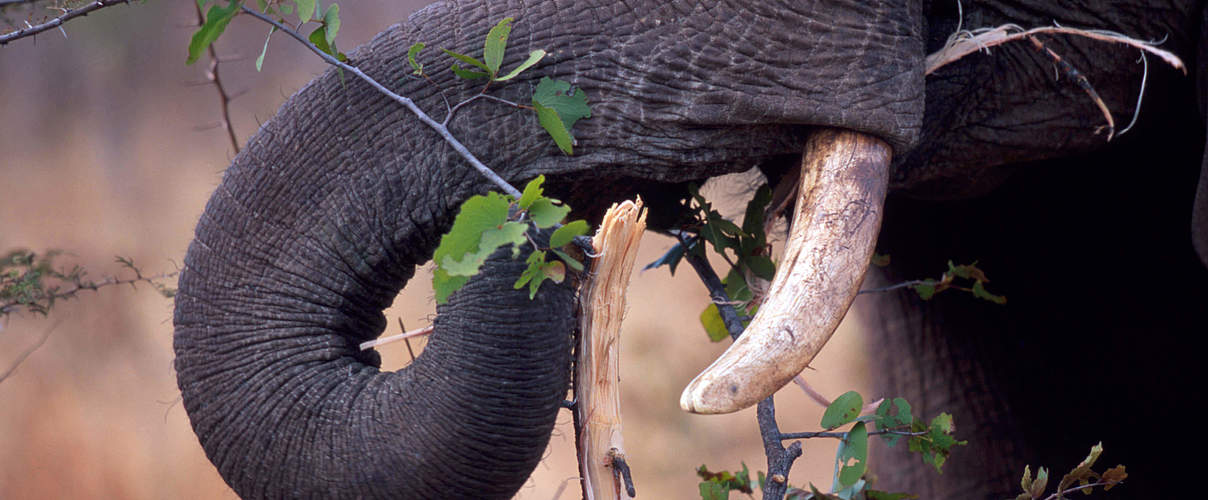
column 844, row 178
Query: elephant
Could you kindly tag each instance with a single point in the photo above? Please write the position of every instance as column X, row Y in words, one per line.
column 325, row 214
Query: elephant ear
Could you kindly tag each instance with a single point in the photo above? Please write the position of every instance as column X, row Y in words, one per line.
column 1199, row 214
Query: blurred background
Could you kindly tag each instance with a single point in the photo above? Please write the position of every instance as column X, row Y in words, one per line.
column 108, row 147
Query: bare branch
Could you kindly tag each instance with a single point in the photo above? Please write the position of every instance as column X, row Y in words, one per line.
column 58, row 20
column 213, row 78
column 410, row 105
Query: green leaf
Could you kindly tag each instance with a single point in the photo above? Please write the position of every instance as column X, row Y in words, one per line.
column 411, row 53
column 752, row 220
column 967, row 271
column 843, row 410
column 673, row 256
column 260, row 60
column 1042, row 481
column 465, row 73
column 532, row 191
column 546, row 214
column 319, row 38
column 937, row 443
column 852, row 456
column 570, row 261
column 444, row 285
column 902, row 418
column 715, row 327
column 216, row 22
column 880, row 259
column 331, row 20
column 538, row 271
column 492, row 239
column 761, row 266
column 713, row 491
column 533, row 58
column 736, row 287
column 979, row 291
column 558, row 109
column 306, row 9
column 1083, row 471
column 724, row 225
column 477, row 215
column 533, row 271
column 568, row 233
column 552, row 123
column 926, row 289
column 495, row 44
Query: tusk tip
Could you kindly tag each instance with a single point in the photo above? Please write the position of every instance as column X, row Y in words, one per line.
column 712, row 397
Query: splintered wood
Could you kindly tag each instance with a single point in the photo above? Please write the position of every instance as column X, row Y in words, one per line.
column 598, row 377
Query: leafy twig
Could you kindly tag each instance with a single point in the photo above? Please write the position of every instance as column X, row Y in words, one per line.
column 26, row 289
column 58, row 21
column 408, row 103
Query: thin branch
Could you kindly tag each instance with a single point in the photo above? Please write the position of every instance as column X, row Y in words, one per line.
column 58, row 21
column 54, row 294
column 717, row 291
column 213, row 78
column 25, row 354
column 780, row 459
column 1060, row 493
column 841, row 435
column 890, row 288
column 419, row 113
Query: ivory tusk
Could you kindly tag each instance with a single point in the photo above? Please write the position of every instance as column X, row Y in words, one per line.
column 844, row 176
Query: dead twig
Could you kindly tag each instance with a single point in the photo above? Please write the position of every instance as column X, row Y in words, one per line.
column 419, row 332
column 963, row 43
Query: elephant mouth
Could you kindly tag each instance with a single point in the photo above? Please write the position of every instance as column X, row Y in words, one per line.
column 837, row 216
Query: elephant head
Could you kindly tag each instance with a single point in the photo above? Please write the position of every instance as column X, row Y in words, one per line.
column 323, row 217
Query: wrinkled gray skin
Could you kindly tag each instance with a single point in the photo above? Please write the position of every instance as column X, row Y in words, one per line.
column 323, row 217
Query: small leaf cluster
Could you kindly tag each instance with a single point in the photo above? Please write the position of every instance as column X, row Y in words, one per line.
column 744, row 247
column 488, row 222
column 30, row 281
column 928, row 288
column 718, row 485
column 218, row 17
column 892, row 419
column 1086, row 478
column 558, row 107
